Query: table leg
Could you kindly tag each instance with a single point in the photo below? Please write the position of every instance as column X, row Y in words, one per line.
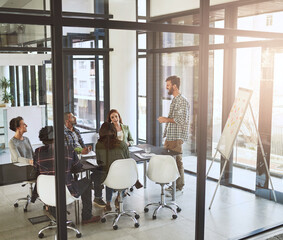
column 77, row 211
column 174, row 191
column 144, row 173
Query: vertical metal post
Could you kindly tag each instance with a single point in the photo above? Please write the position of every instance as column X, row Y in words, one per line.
column 58, row 110
column 202, row 120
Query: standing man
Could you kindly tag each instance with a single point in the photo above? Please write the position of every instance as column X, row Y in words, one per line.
column 72, row 135
column 177, row 125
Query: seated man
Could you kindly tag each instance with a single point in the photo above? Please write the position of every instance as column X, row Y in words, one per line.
column 72, row 135
column 44, row 161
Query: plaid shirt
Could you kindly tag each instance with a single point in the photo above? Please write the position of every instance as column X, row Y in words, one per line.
column 44, row 162
column 179, row 111
column 70, row 138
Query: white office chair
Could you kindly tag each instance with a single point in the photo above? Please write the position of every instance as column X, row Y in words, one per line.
column 122, row 175
column 162, row 169
column 46, row 192
column 27, row 199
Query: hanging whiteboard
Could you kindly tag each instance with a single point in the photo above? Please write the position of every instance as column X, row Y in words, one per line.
column 234, row 121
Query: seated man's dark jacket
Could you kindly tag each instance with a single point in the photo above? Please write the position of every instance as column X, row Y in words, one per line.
column 44, row 162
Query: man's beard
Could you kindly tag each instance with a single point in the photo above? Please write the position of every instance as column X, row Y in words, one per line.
column 170, row 91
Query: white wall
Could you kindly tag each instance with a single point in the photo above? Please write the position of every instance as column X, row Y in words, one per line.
column 123, row 64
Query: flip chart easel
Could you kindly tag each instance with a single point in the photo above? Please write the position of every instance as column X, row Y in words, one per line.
column 230, row 132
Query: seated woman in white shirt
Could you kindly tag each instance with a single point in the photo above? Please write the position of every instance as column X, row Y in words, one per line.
column 20, row 147
column 123, row 131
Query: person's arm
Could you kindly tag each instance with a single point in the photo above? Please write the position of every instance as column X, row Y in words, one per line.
column 130, row 139
column 76, row 166
column 165, row 120
column 15, row 155
column 126, row 150
column 182, row 112
column 81, row 141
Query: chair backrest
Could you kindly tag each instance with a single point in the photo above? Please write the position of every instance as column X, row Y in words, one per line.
column 46, row 190
column 122, row 174
column 162, row 169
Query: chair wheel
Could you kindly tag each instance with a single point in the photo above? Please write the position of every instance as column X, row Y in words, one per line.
column 174, row 216
column 137, row 216
column 137, row 225
column 16, row 205
column 103, row 220
column 41, row 235
column 131, row 189
column 115, row 227
column 73, row 225
column 145, row 209
column 78, row 235
column 179, row 209
column 25, row 210
column 153, row 217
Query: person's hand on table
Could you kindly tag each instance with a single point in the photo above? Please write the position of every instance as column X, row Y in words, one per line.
column 86, row 150
column 31, row 162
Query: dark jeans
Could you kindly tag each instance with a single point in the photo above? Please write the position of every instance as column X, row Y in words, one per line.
column 84, row 190
column 98, row 176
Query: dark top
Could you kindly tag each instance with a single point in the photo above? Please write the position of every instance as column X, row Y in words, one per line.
column 106, row 157
column 44, row 162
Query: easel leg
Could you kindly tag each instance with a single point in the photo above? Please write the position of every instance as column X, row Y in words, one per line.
column 263, row 154
column 211, row 163
column 218, row 183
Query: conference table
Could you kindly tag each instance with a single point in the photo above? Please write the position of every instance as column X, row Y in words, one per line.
column 140, row 150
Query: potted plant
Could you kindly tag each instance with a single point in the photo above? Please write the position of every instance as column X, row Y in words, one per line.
column 5, row 84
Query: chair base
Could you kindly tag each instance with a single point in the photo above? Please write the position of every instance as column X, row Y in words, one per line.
column 53, row 225
column 163, row 204
column 121, row 212
column 27, row 198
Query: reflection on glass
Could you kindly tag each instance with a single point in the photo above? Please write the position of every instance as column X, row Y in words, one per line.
column 248, row 67
column 276, row 155
column 142, row 117
column 23, row 35
column 84, row 92
column 83, row 37
column 261, row 16
column 178, row 39
column 217, row 66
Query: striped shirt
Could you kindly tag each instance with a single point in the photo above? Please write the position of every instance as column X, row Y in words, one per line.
column 179, row 111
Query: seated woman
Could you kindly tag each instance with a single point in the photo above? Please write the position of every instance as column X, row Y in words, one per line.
column 123, row 131
column 20, row 147
column 108, row 149
column 21, row 150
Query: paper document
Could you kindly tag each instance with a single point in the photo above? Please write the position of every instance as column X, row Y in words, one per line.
column 92, row 162
column 144, row 155
column 135, row 149
column 90, row 154
column 21, row 164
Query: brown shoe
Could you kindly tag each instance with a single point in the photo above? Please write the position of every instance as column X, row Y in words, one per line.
column 107, row 208
column 93, row 219
column 138, row 184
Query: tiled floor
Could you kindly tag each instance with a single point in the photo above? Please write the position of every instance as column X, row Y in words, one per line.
column 234, row 213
